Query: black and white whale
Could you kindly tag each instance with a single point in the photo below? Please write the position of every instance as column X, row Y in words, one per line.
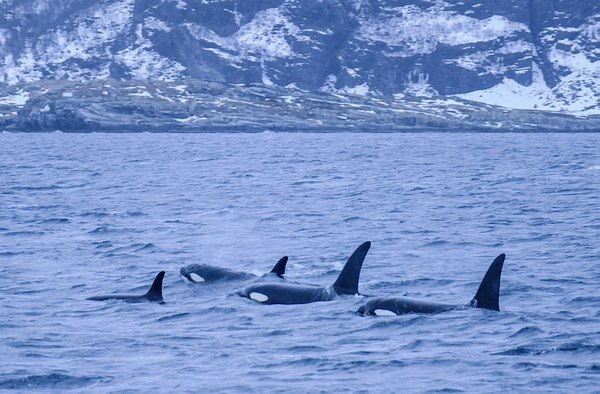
column 286, row 293
column 486, row 297
column 154, row 294
column 200, row 273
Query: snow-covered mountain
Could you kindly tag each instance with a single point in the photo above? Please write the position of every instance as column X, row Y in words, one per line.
column 542, row 54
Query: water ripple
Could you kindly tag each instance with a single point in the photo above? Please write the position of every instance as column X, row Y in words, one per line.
column 93, row 214
column 51, row 381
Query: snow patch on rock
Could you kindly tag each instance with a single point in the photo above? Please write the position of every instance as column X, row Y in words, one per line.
column 540, row 96
column 411, row 30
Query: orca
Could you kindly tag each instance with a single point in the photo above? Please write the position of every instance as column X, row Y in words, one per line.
column 285, row 293
column 200, row 273
column 486, row 297
column 154, row 294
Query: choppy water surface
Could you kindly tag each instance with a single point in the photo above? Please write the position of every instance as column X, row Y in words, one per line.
column 83, row 215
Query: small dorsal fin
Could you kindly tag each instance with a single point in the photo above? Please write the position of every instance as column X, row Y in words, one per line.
column 155, row 291
column 489, row 289
column 347, row 281
column 279, row 268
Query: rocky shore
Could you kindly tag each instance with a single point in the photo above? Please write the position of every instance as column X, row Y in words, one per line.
column 198, row 106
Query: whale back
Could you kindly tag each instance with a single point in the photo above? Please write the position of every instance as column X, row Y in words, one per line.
column 347, row 281
column 487, row 296
column 285, row 293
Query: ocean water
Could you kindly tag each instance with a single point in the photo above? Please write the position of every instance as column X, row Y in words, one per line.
column 90, row 214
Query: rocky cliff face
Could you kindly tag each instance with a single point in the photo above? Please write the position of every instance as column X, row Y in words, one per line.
column 522, row 53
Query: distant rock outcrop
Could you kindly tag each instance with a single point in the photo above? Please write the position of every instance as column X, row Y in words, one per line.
column 201, row 106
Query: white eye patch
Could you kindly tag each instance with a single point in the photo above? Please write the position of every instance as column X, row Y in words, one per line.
column 383, row 312
column 258, row 297
column 196, row 278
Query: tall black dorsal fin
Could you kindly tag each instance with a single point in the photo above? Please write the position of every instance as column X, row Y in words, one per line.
column 347, row 281
column 155, row 292
column 489, row 289
column 279, row 268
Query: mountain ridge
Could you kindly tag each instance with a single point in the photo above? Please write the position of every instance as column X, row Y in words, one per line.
column 534, row 53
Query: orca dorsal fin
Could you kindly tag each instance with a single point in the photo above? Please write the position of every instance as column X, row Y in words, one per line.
column 489, row 289
column 279, row 268
column 347, row 281
column 155, row 291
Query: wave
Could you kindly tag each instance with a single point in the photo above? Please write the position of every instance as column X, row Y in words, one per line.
column 10, row 254
column 103, row 214
column 527, row 331
column 568, row 347
column 135, row 247
column 35, row 188
column 46, row 187
column 353, row 219
column 133, row 214
column 173, row 317
column 95, row 214
column 100, row 230
column 304, row 348
column 108, row 229
column 276, row 333
column 50, row 381
column 303, row 362
column 439, row 242
column 24, row 233
column 55, row 221
column 103, row 244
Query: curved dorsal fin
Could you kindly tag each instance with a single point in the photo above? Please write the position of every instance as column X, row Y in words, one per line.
column 279, row 268
column 155, row 291
column 489, row 289
column 347, row 281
